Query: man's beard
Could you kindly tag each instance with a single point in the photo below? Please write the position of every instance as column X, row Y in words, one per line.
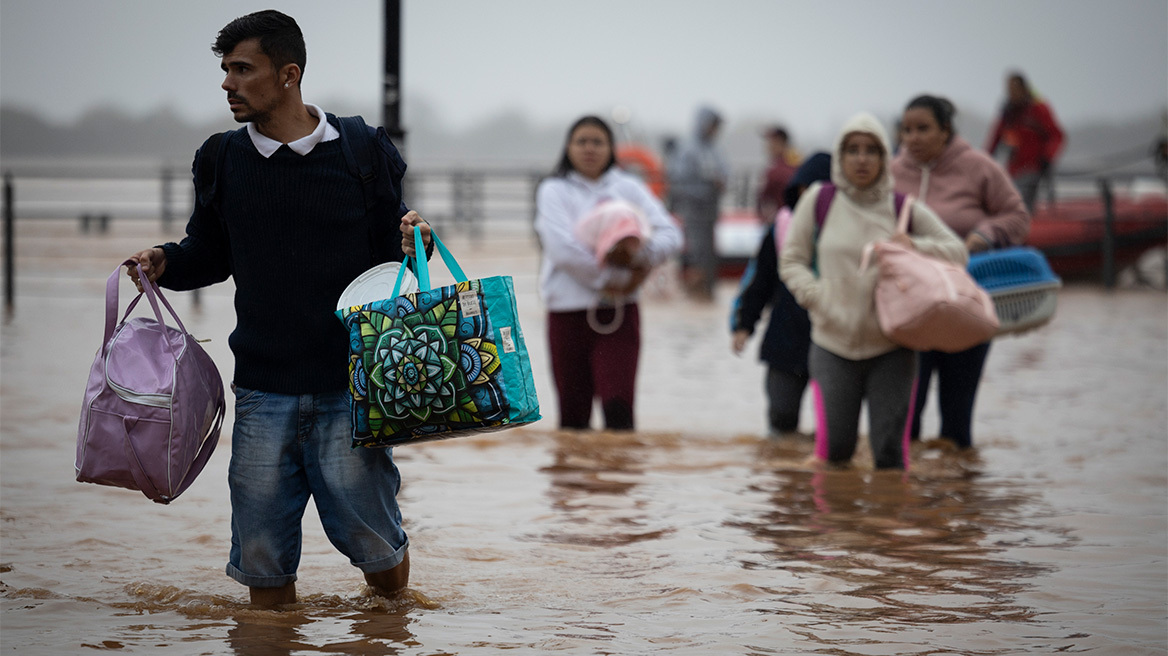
column 248, row 114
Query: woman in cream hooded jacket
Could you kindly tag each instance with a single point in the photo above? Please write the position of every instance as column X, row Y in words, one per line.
column 851, row 359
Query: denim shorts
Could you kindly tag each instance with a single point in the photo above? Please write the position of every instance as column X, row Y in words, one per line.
column 285, row 448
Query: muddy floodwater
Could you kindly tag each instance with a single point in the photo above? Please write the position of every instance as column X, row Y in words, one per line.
column 694, row 535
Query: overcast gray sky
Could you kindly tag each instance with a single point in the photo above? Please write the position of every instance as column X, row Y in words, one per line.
column 808, row 63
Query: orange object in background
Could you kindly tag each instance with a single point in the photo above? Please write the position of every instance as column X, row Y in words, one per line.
column 641, row 161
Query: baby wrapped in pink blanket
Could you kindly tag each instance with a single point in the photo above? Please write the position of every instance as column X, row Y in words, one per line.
column 614, row 230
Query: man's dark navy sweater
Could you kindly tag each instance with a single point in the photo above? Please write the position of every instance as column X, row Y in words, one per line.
column 296, row 235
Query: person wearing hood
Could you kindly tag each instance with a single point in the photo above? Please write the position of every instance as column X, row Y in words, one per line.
column 975, row 197
column 697, row 179
column 576, row 278
column 850, row 358
column 788, row 334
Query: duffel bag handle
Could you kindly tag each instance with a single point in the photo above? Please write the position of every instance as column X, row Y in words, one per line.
column 422, row 267
column 901, row 229
column 153, row 294
column 905, row 215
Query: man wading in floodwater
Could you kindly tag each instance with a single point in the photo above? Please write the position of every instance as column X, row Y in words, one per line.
column 291, row 223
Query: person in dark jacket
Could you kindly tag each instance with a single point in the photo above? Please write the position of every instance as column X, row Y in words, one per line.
column 290, row 224
column 787, row 339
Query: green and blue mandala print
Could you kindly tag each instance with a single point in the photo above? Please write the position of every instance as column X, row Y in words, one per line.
column 419, row 366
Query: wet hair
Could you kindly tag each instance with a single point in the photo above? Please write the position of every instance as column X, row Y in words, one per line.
column 941, row 109
column 280, row 37
column 1021, row 79
column 565, row 165
column 1012, row 112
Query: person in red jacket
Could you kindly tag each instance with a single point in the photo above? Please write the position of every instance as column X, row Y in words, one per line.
column 1028, row 128
column 778, row 175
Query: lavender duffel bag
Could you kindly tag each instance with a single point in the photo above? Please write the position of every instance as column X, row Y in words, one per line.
column 154, row 403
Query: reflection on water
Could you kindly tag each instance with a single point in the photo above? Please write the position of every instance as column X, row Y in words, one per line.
column 590, row 474
column 367, row 625
column 908, row 548
column 853, row 547
column 286, row 633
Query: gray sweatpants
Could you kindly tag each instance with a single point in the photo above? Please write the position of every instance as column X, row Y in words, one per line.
column 840, row 387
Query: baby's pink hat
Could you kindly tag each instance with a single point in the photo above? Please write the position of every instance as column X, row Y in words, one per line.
column 610, row 222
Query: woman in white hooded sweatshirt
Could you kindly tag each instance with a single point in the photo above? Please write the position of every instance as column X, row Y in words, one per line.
column 851, row 360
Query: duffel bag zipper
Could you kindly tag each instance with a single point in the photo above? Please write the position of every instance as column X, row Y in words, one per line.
column 130, row 396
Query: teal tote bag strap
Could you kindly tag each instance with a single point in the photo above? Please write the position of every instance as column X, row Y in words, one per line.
column 422, row 267
column 447, row 256
column 401, row 274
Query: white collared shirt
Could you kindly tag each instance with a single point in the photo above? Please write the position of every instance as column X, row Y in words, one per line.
column 324, row 132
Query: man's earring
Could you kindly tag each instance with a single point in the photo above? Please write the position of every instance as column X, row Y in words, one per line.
column 285, row 85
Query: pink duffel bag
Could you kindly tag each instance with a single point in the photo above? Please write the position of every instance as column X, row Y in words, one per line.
column 927, row 304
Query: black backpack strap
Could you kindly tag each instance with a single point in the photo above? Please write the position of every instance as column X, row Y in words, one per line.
column 208, row 165
column 207, row 169
column 357, row 144
column 373, row 159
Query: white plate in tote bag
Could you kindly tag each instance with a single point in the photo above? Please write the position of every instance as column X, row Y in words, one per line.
column 376, row 284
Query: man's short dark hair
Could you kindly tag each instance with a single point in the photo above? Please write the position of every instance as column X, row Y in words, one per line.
column 280, row 37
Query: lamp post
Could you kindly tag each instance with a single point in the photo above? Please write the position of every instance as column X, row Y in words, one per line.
column 391, row 86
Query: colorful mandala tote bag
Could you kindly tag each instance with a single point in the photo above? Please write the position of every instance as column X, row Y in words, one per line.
column 438, row 363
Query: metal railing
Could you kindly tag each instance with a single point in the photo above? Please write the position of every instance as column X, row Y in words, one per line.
column 461, row 199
